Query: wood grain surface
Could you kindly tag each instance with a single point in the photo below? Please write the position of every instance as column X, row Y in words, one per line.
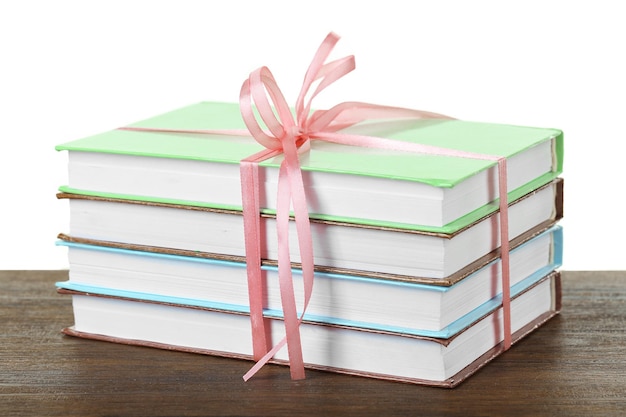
column 575, row 365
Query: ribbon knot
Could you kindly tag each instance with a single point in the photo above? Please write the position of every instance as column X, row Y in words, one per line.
column 300, row 138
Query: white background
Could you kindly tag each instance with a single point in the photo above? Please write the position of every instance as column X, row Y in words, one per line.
column 72, row 69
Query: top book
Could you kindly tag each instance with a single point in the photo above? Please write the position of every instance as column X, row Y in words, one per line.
column 343, row 183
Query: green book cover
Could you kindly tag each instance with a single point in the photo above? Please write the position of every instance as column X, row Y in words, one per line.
column 437, row 171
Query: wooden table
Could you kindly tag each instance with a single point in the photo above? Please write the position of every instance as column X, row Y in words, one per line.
column 573, row 366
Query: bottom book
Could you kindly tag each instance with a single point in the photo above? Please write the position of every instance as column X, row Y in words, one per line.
column 376, row 354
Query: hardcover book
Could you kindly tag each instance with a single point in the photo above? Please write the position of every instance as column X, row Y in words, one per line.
column 345, row 183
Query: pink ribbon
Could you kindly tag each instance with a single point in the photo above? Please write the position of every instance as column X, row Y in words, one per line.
column 290, row 136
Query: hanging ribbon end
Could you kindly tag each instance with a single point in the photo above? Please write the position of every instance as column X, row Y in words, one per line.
column 297, row 374
column 247, row 376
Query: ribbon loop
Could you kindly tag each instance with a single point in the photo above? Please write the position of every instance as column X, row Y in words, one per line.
column 256, row 90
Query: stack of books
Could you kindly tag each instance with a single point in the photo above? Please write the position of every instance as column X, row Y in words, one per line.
column 407, row 280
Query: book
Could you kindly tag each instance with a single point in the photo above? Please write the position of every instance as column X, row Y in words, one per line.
column 354, row 301
column 344, row 183
column 377, row 354
column 374, row 251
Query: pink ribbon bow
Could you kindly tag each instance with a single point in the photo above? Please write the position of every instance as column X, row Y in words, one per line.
column 290, row 136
